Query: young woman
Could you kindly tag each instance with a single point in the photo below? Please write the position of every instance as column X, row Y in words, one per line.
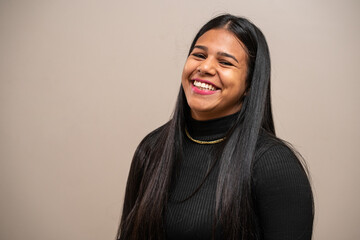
column 216, row 170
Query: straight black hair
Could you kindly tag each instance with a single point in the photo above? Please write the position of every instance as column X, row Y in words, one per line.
column 154, row 161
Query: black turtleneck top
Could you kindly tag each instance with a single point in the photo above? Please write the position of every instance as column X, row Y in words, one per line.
column 281, row 187
column 282, row 193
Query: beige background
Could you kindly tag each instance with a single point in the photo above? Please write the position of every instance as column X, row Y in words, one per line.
column 82, row 82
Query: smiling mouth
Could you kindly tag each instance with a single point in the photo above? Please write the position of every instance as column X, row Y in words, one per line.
column 204, row 86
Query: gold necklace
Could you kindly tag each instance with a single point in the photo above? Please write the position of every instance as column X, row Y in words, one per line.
column 203, row 142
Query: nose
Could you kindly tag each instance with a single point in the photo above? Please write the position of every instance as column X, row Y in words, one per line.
column 207, row 67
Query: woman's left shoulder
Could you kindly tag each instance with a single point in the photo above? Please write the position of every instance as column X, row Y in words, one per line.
column 281, row 190
column 276, row 158
column 270, row 147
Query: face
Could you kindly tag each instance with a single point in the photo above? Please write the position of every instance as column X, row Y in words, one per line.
column 214, row 75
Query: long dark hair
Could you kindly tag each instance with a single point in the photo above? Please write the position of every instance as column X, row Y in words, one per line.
column 155, row 159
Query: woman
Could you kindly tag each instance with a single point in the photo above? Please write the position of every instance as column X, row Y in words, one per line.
column 216, row 170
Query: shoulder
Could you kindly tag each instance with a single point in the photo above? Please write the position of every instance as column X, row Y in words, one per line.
column 144, row 150
column 271, row 149
column 281, row 191
column 268, row 142
column 153, row 135
column 149, row 142
column 276, row 163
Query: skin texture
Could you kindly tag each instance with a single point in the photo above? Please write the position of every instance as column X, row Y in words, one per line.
column 218, row 58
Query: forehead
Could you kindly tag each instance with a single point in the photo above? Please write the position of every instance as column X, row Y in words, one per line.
column 221, row 40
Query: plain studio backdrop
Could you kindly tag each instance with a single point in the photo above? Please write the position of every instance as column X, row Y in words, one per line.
column 82, row 82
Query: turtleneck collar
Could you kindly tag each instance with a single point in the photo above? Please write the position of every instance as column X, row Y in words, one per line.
column 210, row 129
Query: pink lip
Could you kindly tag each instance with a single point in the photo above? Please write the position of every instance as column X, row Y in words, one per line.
column 202, row 91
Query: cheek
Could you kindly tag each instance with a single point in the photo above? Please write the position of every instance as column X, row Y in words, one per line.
column 189, row 67
column 187, row 70
column 184, row 73
column 184, row 78
column 235, row 82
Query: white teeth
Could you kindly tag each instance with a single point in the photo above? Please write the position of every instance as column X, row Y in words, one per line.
column 204, row 86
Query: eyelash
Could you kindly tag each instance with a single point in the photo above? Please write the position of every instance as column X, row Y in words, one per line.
column 202, row 56
column 226, row 63
column 199, row 55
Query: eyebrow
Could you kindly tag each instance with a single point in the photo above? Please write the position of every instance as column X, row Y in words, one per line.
column 218, row 53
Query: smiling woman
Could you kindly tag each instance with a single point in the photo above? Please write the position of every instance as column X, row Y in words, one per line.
column 214, row 76
column 217, row 170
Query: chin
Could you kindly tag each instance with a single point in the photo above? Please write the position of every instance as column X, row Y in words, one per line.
column 201, row 108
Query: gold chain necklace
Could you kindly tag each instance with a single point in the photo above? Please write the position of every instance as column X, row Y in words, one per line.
column 203, row 142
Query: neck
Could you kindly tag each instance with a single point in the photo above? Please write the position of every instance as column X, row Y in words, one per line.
column 210, row 129
column 204, row 115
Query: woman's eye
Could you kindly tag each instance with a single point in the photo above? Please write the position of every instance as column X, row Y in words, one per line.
column 226, row 63
column 199, row 55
